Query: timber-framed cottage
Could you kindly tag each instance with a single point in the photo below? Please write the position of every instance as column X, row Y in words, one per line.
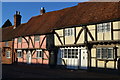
column 81, row 37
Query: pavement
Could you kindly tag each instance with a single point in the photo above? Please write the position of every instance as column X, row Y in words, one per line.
column 20, row 71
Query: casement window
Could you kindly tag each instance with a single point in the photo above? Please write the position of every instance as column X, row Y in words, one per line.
column 37, row 38
column 19, row 39
column 104, row 27
column 69, row 32
column 6, row 44
column 69, row 53
column 19, row 54
column 7, row 54
column 105, row 53
column 39, row 54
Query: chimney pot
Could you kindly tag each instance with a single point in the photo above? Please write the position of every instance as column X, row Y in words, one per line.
column 42, row 11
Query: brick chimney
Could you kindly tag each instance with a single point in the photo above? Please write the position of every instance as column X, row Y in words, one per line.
column 17, row 19
column 42, row 11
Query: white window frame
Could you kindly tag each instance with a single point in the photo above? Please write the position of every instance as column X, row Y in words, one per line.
column 41, row 53
column 112, row 52
column 19, row 54
column 99, row 53
column 104, row 27
column 38, row 38
column 7, row 54
column 76, row 57
column 69, row 32
column 105, row 53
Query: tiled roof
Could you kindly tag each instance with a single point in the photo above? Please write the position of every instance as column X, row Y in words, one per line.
column 82, row 14
column 8, row 33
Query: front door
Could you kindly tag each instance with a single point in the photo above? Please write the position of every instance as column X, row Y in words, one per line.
column 29, row 57
column 83, row 59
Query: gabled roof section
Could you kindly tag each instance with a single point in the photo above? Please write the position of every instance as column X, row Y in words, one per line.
column 8, row 33
column 82, row 14
column 7, row 24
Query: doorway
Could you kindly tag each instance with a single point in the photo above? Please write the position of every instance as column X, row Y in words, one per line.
column 29, row 57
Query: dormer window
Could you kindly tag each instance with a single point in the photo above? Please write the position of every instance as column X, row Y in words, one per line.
column 69, row 32
column 104, row 27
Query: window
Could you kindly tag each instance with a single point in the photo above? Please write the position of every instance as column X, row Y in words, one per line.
column 19, row 54
column 69, row 32
column 98, row 53
column 65, row 53
column 7, row 54
column 39, row 54
column 110, row 53
column 70, row 53
column 19, row 39
column 37, row 38
column 104, row 27
column 105, row 53
column 6, row 44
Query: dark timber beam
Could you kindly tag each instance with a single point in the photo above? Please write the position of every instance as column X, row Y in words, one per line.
column 64, row 36
column 46, row 54
column 26, row 41
column 13, row 54
column 75, row 33
column 42, row 41
column 96, row 32
column 116, row 29
column 90, row 34
column 31, row 41
column 85, row 35
column 88, row 46
column 59, row 38
column 111, row 30
column 78, row 36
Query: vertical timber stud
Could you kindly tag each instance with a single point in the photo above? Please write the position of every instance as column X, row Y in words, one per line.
column 115, row 57
column 89, row 52
column 75, row 33
column 13, row 55
column 111, row 30
column 86, row 42
column 96, row 32
column 64, row 36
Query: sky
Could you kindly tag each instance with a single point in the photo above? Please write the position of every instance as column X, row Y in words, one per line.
column 30, row 9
